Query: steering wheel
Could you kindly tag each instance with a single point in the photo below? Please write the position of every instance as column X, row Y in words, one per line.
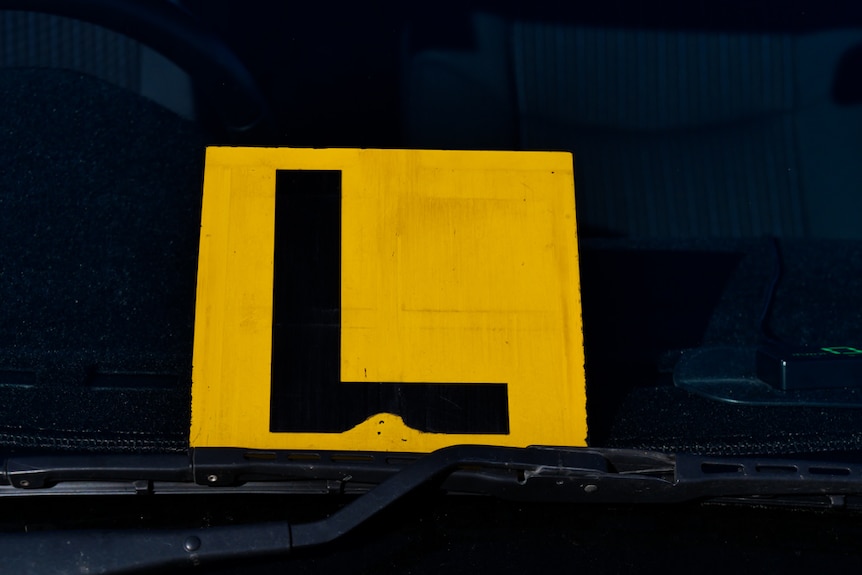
column 181, row 37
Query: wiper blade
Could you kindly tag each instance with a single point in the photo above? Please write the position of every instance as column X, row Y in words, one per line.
column 533, row 474
column 91, row 551
column 480, row 469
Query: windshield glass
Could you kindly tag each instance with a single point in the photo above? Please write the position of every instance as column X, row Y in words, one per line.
column 709, row 247
column 616, row 242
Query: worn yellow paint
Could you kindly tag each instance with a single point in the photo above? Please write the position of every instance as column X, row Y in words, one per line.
column 456, row 267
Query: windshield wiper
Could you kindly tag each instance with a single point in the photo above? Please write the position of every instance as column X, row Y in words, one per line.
column 531, row 474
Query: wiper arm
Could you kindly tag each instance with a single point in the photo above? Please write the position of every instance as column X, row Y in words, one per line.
column 90, row 551
column 434, row 468
column 535, row 474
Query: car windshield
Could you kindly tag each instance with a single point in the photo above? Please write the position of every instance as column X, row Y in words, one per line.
column 715, row 250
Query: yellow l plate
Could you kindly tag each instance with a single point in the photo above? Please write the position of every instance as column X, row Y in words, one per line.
column 387, row 300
